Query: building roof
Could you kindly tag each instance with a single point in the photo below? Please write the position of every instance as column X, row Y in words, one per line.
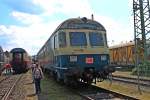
column 121, row 45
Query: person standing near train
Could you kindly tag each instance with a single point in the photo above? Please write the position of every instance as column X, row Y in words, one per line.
column 33, row 65
column 38, row 75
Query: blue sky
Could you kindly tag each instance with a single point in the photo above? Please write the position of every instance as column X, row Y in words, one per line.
column 29, row 23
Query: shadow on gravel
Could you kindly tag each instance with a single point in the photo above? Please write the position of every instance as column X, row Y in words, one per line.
column 31, row 95
column 29, row 83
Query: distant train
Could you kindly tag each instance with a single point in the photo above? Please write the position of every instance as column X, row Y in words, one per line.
column 76, row 50
column 124, row 54
column 19, row 60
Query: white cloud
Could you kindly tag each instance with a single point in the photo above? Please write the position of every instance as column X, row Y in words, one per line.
column 31, row 37
column 116, row 31
column 26, row 18
column 47, row 5
column 67, row 7
column 4, row 30
column 130, row 3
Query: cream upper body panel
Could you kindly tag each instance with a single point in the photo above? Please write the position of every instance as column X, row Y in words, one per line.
column 88, row 49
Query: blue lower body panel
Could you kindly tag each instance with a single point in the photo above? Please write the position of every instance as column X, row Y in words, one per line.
column 77, row 64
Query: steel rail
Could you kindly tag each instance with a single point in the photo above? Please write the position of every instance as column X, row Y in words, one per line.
column 93, row 92
column 143, row 82
column 7, row 94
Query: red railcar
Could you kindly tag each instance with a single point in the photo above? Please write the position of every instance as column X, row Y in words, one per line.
column 19, row 60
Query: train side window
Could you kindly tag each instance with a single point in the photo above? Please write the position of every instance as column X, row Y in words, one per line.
column 62, row 39
column 52, row 42
column 55, row 42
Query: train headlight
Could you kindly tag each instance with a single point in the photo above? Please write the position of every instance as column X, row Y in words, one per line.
column 73, row 58
column 103, row 58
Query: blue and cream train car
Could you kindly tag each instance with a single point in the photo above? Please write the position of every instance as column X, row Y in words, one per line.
column 76, row 50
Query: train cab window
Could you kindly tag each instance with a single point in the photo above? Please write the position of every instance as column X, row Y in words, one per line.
column 78, row 39
column 96, row 39
column 62, row 39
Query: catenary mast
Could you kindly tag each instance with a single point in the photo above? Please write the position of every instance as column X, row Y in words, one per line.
column 141, row 12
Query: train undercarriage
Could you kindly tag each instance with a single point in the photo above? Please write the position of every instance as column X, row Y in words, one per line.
column 74, row 76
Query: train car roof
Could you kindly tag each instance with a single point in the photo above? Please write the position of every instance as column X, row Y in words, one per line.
column 81, row 23
column 126, row 44
column 18, row 50
column 121, row 45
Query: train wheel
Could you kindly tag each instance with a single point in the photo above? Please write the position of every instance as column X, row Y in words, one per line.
column 89, row 81
column 51, row 73
column 100, row 79
column 54, row 75
column 57, row 77
column 66, row 81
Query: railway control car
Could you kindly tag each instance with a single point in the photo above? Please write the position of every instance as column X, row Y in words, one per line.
column 124, row 54
column 76, row 50
column 19, row 60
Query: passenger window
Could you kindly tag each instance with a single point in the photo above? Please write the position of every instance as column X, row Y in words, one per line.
column 55, row 42
column 62, row 39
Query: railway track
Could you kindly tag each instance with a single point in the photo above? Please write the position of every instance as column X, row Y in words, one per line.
column 7, row 85
column 143, row 82
column 3, row 78
column 91, row 92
